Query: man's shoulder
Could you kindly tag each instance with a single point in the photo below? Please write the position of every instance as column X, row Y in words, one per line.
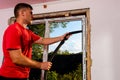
column 14, row 26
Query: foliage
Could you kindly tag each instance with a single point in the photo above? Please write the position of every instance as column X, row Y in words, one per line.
column 66, row 52
column 52, row 75
column 38, row 29
column 37, row 51
column 57, row 24
column 75, row 75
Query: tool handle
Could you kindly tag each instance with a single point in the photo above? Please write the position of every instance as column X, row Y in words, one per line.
column 74, row 32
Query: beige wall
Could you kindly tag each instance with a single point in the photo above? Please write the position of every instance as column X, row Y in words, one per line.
column 105, row 38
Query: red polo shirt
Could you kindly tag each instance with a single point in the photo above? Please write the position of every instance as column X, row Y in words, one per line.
column 16, row 37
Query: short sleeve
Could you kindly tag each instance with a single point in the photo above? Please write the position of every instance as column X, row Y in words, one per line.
column 34, row 36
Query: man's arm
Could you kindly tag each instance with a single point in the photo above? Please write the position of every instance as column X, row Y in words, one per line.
column 47, row 41
column 19, row 59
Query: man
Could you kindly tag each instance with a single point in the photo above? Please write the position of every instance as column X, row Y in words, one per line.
column 17, row 46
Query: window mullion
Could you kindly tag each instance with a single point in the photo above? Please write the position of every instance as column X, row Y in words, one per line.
column 45, row 53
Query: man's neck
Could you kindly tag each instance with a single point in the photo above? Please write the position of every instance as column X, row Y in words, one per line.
column 22, row 23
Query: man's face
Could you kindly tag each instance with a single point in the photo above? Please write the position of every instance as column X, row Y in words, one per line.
column 26, row 15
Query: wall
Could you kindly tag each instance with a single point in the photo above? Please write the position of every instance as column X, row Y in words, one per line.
column 105, row 44
column 4, row 15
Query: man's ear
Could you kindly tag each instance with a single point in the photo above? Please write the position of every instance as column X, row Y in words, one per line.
column 22, row 12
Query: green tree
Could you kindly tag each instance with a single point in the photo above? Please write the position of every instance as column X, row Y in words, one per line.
column 52, row 75
column 57, row 24
column 75, row 75
column 66, row 52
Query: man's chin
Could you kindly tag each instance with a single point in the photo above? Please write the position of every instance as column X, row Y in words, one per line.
column 29, row 23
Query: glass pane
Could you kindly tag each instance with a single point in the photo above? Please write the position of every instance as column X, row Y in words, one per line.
column 67, row 64
column 74, row 43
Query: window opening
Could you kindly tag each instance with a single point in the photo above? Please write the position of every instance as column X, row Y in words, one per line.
column 74, row 45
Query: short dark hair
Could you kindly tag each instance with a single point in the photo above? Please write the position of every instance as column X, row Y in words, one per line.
column 21, row 6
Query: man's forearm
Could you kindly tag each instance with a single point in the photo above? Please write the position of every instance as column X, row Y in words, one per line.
column 24, row 61
column 19, row 59
column 47, row 41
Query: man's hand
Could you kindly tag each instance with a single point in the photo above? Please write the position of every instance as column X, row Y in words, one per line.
column 65, row 36
column 46, row 65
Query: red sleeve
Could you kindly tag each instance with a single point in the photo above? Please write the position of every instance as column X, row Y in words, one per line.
column 34, row 36
column 13, row 37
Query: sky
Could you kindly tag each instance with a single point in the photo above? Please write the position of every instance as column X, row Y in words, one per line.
column 74, row 43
